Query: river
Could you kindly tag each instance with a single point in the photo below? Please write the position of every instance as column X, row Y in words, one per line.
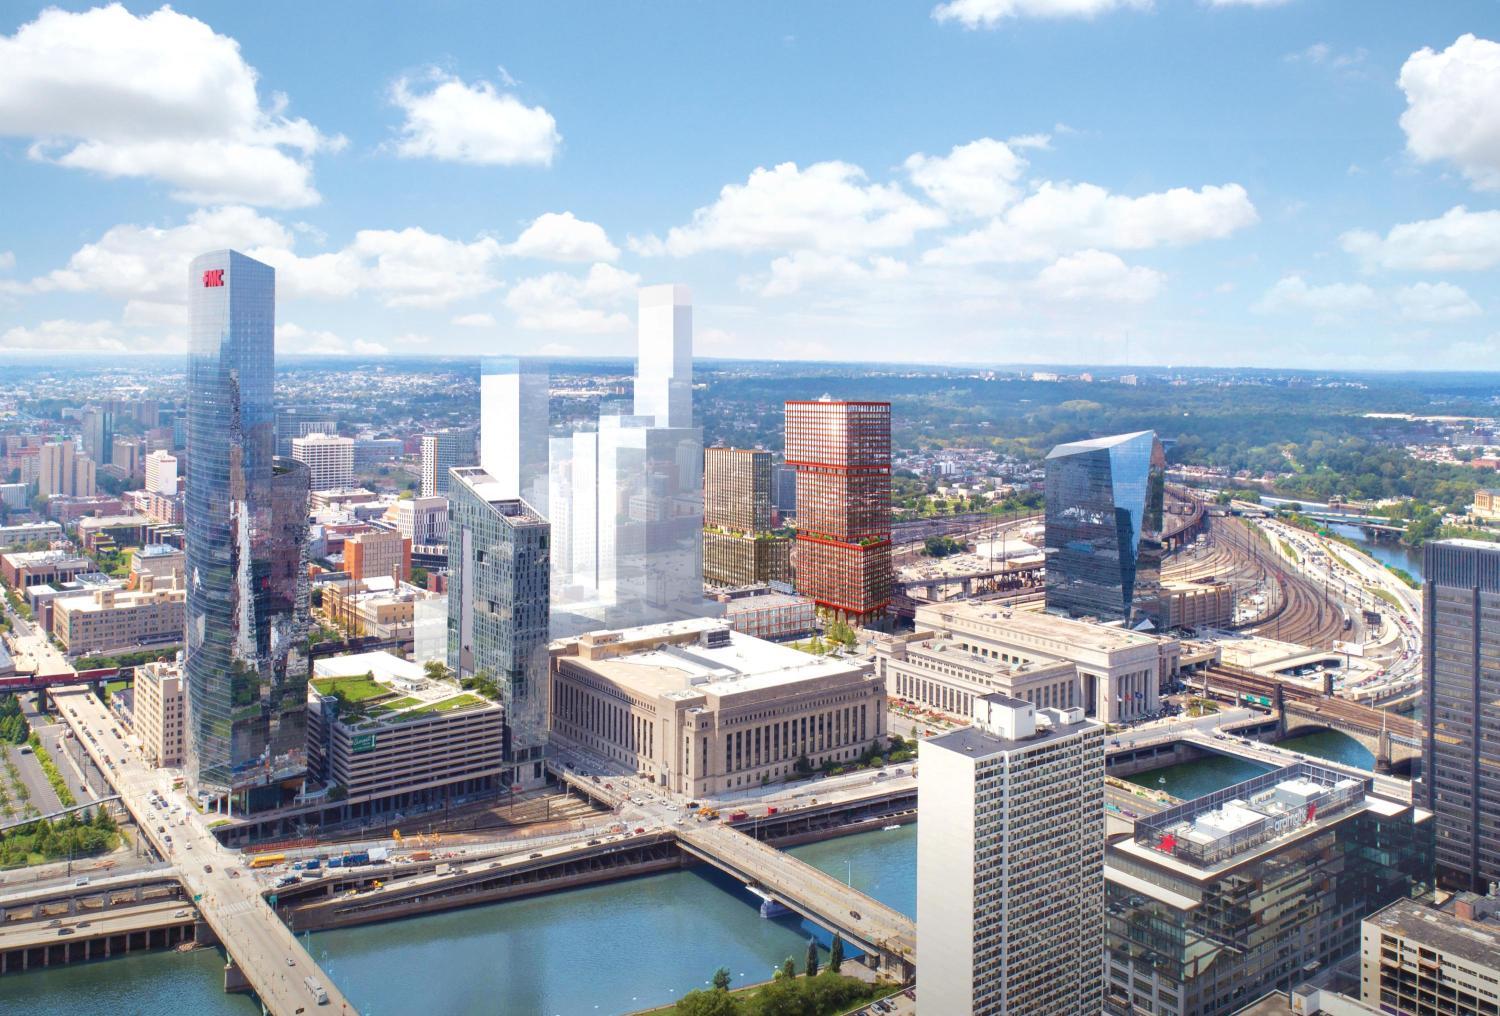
column 609, row 948
column 1215, row 772
column 1385, row 551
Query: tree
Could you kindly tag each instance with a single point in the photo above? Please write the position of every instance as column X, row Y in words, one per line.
column 708, row 1003
column 789, row 969
column 721, row 979
column 812, row 957
column 836, row 954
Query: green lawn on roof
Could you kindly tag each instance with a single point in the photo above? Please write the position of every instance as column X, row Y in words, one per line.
column 357, row 688
column 456, row 702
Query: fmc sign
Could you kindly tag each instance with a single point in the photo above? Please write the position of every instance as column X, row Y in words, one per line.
column 213, row 278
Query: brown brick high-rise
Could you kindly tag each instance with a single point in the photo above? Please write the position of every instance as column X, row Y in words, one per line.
column 738, row 547
column 842, row 454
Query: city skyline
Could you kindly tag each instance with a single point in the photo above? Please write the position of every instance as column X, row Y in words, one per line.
column 1105, row 215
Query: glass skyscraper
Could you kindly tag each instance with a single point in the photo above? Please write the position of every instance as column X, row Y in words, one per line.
column 1461, row 687
column 1103, row 530
column 499, row 573
column 245, row 520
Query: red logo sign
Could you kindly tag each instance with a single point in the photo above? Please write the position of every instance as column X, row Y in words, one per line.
column 213, row 278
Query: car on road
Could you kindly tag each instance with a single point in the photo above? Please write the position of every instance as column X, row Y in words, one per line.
column 533, row 857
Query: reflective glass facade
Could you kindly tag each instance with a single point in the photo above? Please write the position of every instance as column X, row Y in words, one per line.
column 245, row 522
column 1188, row 940
column 1103, row 529
column 499, row 573
column 1461, row 686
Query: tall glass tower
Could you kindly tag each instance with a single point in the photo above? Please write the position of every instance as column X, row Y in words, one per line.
column 1103, row 531
column 246, row 526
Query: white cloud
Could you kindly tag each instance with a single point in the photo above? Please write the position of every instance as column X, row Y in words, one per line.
column 474, row 320
column 1067, row 216
column 1451, row 108
column 793, row 271
column 1098, row 275
column 561, row 236
column 160, row 96
column 293, row 338
column 1458, row 240
column 405, row 268
column 1245, row 3
column 456, row 122
column 7, row 260
column 990, row 13
column 1292, row 294
column 979, row 178
column 827, row 206
column 155, row 313
column 62, row 336
column 1436, row 302
column 559, row 302
column 1323, row 55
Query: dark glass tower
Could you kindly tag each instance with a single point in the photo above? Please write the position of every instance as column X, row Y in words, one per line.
column 245, row 519
column 499, row 605
column 1104, row 519
column 1461, row 688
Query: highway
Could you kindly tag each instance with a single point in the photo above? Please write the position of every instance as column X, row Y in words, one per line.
column 95, row 924
column 269, row 956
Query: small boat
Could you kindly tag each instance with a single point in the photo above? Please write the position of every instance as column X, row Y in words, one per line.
column 1162, row 780
column 888, row 828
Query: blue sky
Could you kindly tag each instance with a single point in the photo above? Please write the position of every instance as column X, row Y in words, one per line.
column 1244, row 182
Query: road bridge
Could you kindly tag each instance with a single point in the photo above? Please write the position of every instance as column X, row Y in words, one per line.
column 96, row 894
column 886, row 935
column 264, row 955
column 28, row 945
column 87, row 805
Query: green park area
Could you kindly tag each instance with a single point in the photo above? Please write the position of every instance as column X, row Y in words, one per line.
column 354, row 688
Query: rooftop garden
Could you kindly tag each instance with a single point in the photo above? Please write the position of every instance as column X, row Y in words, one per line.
column 352, row 688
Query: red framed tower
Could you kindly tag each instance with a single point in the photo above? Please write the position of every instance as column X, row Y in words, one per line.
column 842, row 454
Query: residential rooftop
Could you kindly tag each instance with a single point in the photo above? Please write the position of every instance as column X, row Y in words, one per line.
column 976, row 742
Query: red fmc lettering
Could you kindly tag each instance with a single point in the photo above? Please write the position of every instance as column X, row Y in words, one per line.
column 213, row 278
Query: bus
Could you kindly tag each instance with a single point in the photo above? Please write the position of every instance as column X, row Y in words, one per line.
column 266, row 860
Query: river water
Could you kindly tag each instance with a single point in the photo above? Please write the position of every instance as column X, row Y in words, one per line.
column 1215, row 772
column 603, row 949
column 1384, row 551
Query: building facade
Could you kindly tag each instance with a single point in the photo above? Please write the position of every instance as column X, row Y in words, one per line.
column 246, row 534
column 739, row 548
column 384, row 552
column 329, row 460
column 1119, row 673
column 1104, row 502
column 1010, row 863
column 417, row 743
column 498, row 597
column 513, row 423
column 1461, row 693
column 160, row 710
column 442, row 451
column 1420, row 960
column 842, row 454
column 422, row 520
column 109, row 620
column 769, row 614
column 18, row 534
column 705, row 710
column 1214, row 902
column 61, row 470
column 41, row 567
column 161, row 473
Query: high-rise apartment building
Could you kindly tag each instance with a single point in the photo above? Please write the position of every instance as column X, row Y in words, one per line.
column 739, row 548
column 161, row 473
column 62, row 471
column 442, row 451
column 384, row 553
column 1423, row 960
column 159, row 708
column 329, row 459
column 246, row 541
column 1461, row 693
column 513, row 421
column 631, row 491
column 1213, row 902
column 842, row 454
column 1103, row 528
column 1010, row 863
column 498, row 604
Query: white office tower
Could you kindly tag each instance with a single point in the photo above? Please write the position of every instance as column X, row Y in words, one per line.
column 513, row 420
column 632, row 492
column 161, row 473
column 1010, row 864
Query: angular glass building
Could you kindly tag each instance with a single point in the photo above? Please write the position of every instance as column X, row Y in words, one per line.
column 1103, row 530
column 499, row 599
column 1214, row 902
column 1461, row 687
column 245, row 522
